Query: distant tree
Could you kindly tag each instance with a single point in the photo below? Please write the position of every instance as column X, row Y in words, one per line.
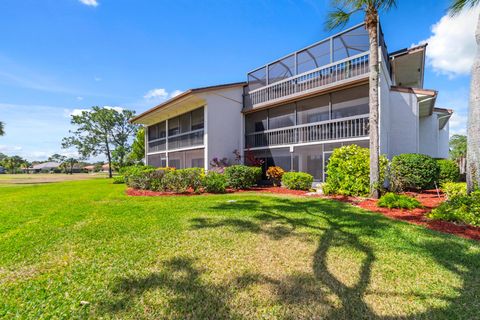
column 458, row 147
column 69, row 164
column 25, row 165
column 339, row 17
column 101, row 131
column 57, row 158
column 137, row 154
column 13, row 163
column 473, row 127
column 2, row 129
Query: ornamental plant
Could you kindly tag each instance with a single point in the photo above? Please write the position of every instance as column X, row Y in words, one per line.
column 242, row 177
column 297, row 180
column 215, row 182
column 348, row 171
column 275, row 174
column 399, row 201
column 412, row 171
column 449, row 171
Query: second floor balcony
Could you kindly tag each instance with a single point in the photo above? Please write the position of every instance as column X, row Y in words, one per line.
column 339, row 59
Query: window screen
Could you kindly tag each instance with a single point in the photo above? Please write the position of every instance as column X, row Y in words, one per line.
column 350, row 102
column 281, row 69
column 313, row 110
column 197, row 119
column 283, row 116
column 256, row 122
column 313, row 57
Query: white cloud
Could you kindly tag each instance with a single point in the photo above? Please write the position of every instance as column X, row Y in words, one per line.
column 79, row 98
column 97, row 79
column 92, row 3
column 77, row 112
column 175, row 93
column 8, row 149
column 451, row 48
column 159, row 93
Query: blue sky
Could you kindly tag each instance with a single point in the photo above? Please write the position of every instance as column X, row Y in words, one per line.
column 61, row 56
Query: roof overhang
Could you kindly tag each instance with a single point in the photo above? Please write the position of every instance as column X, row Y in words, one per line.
column 444, row 116
column 408, row 66
column 179, row 104
column 426, row 98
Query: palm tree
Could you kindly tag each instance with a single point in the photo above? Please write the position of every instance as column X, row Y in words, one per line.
column 2, row 131
column 339, row 17
column 473, row 128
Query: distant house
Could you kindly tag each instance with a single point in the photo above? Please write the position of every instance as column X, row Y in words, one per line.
column 93, row 168
column 2, row 170
column 89, row 169
column 44, row 167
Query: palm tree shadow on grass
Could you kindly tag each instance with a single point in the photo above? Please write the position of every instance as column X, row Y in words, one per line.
column 336, row 225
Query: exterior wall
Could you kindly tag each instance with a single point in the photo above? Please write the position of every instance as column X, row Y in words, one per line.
column 433, row 142
column 403, row 135
column 384, row 108
column 223, row 123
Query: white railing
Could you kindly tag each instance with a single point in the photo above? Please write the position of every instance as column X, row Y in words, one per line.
column 344, row 128
column 335, row 72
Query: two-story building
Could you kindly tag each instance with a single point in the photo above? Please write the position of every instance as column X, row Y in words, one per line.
column 294, row 111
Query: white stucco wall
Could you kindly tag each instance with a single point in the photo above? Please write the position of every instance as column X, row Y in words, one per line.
column 433, row 142
column 404, row 124
column 224, row 123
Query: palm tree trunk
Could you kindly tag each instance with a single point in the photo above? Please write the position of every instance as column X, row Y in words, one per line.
column 473, row 130
column 372, row 26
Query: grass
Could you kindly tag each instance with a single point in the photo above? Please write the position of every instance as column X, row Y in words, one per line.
column 83, row 249
column 41, row 178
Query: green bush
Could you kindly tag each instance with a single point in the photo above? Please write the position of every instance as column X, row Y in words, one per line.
column 449, row 171
column 461, row 208
column 157, row 183
column 297, row 180
column 454, row 189
column 391, row 200
column 118, row 179
column 193, row 177
column 138, row 177
column 411, row 171
column 348, row 171
column 215, row 182
column 242, row 177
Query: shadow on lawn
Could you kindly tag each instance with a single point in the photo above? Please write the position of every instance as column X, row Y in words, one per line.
column 336, row 226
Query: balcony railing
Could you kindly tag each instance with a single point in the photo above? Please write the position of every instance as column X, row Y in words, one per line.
column 349, row 68
column 179, row 141
column 339, row 129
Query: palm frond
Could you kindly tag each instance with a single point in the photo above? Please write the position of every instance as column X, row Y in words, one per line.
column 386, row 4
column 337, row 18
column 2, row 132
column 458, row 5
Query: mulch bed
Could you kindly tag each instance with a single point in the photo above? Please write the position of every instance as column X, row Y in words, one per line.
column 429, row 200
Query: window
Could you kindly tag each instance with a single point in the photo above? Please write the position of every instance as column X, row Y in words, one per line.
column 197, row 119
column 157, row 160
column 156, row 131
column 313, row 110
column 187, row 159
column 173, row 126
column 256, row 122
column 184, row 121
column 350, row 102
column 283, row 116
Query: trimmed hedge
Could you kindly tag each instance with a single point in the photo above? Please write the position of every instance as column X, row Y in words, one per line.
column 411, row 171
column 391, row 200
column 118, row 180
column 297, row 180
column 215, row 182
column 242, row 177
column 449, row 171
column 348, row 171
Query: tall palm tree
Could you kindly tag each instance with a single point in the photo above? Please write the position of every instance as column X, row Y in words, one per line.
column 2, row 131
column 339, row 17
column 473, row 127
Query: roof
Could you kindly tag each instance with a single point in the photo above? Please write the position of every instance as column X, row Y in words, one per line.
column 186, row 93
column 426, row 98
column 426, row 92
column 404, row 51
column 46, row 165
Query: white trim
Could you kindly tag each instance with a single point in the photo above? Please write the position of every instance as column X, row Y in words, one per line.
column 205, row 137
column 307, row 143
column 187, row 148
column 156, row 152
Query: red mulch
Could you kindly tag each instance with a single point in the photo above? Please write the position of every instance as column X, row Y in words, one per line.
column 276, row 190
column 428, row 199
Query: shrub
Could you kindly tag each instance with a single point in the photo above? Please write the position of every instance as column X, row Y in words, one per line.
column 215, row 182
column 391, row 200
column 449, row 171
column 454, row 189
column 242, row 177
column 348, row 171
column 411, row 171
column 193, row 177
column 138, row 177
column 297, row 180
column 118, row 180
column 157, row 182
column 275, row 174
column 461, row 208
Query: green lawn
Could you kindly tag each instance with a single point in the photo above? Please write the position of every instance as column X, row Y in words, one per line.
column 83, row 249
